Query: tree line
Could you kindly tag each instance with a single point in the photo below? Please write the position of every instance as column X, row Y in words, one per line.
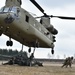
column 10, row 52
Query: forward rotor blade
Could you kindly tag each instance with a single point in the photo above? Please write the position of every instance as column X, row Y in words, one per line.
column 37, row 5
column 63, row 17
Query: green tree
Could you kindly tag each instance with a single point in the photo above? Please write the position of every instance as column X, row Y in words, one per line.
column 15, row 52
column 10, row 52
column 0, row 51
column 4, row 51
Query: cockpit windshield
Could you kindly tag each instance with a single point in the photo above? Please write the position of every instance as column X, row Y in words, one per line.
column 7, row 9
column 1, row 9
column 14, row 10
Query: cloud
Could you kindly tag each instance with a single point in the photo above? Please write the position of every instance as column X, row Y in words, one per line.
column 55, row 3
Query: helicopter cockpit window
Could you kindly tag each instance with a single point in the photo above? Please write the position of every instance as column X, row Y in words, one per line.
column 6, row 10
column 1, row 9
column 14, row 10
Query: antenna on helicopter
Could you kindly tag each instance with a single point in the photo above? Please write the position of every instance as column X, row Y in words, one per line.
column 49, row 16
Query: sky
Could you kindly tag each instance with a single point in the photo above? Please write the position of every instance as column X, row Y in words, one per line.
column 65, row 39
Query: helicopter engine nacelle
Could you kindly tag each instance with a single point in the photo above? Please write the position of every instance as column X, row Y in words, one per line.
column 46, row 23
column 52, row 30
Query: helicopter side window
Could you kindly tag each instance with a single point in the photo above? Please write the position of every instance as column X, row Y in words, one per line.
column 27, row 18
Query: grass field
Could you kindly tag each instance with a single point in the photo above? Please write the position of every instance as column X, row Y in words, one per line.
column 52, row 69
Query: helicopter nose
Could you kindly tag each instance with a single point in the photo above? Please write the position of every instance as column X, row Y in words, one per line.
column 9, row 19
column 2, row 17
column 2, row 23
column 6, row 18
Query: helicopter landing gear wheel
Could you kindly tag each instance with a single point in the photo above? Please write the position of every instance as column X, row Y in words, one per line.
column 52, row 51
column 9, row 43
column 29, row 50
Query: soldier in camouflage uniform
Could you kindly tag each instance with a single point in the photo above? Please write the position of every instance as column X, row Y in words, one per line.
column 10, row 62
column 68, row 62
column 65, row 62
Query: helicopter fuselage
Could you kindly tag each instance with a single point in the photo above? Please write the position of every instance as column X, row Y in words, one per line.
column 20, row 25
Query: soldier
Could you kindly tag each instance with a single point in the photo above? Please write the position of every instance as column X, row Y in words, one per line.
column 31, row 59
column 65, row 62
column 68, row 62
column 10, row 62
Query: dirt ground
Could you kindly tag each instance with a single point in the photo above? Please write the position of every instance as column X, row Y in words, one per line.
column 47, row 69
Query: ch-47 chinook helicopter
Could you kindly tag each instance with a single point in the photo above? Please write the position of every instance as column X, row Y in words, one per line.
column 20, row 25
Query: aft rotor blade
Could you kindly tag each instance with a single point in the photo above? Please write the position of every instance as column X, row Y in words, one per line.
column 63, row 17
column 37, row 5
